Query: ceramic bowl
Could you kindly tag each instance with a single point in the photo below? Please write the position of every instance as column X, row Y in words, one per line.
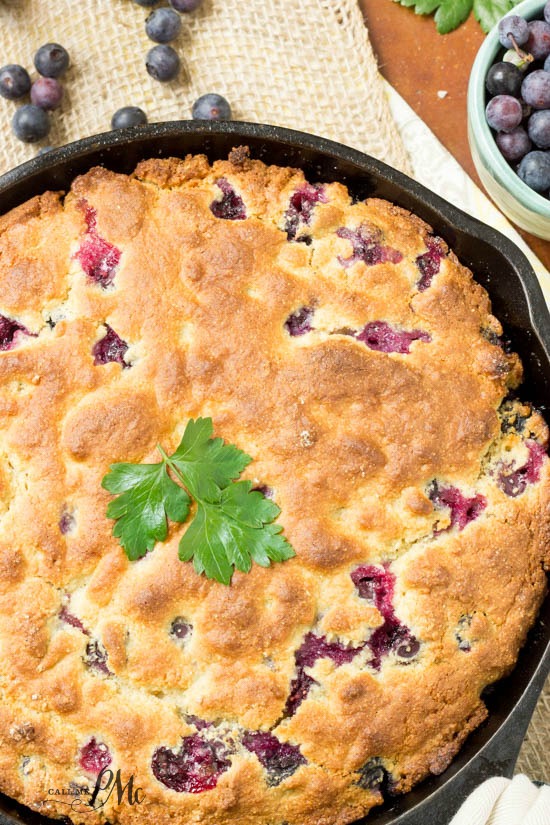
column 525, row 207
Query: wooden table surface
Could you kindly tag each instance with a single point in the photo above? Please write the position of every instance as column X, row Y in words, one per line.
column 419, row 62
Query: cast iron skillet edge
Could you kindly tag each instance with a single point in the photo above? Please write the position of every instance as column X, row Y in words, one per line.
column 516, row 297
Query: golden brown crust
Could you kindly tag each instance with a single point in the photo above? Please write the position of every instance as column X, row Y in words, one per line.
column 364, row 450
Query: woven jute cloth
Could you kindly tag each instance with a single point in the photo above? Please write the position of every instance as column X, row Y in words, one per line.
column 307, row 65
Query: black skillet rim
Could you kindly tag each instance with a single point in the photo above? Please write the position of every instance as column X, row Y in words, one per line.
column 491, row 749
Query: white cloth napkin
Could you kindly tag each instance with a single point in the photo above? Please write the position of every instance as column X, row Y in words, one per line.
column 500, row 801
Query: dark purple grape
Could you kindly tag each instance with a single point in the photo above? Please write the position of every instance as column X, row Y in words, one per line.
column 534, row 170
column 30, row 123
column 185, row 5
column 14, row 81
column 211, row 107
column 47, row 92
column 504, row 79
column 128, row 116
column 539, row 128
column 538, row 42
column 51, row 60
column 163, row 25
column 503, row 113
column 513, row 29
column 535, row 89
column 162, row 63
column 515, row 144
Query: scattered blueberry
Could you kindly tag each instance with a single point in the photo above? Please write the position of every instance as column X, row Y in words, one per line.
column 30, row 123
column 534, row 170
column 185, row 5
column 462, row 629
column 162, row 63
column 14, row 81
column 163, row 25
column 51, row 60
column 67, row 523
column 128, row 116
column 47, row 92
column 211, row 107
column 300, row 209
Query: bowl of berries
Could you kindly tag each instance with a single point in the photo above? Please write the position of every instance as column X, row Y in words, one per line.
column 509, row 115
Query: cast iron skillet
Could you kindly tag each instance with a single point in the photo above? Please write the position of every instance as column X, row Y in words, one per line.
column 517, row 301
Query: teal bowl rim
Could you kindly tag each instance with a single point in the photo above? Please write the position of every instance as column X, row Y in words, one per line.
column 480, row 130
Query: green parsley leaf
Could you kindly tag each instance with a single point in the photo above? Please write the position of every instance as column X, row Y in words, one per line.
column 449, row 14
column 207, row 463
column 233, row 524
column 229, row 534
column 489, row 12
column 148, row 496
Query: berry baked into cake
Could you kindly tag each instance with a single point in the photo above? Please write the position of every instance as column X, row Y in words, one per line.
column 271, row 513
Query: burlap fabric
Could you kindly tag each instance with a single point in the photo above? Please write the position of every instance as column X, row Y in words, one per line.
column 307, row 65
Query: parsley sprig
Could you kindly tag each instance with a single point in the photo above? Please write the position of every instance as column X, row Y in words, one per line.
column 232, row 526
column 449, row 14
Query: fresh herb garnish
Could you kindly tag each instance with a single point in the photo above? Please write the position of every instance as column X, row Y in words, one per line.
column 449, row 14
column 232, row 525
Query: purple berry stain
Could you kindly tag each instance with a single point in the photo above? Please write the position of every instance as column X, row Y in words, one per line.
column 376, row 584
column 96, row 657
column 197, row 722
column 280, row 759
column 299, row 322
column 380, row 336
column 300, row 208
column 67, row 523
column 367, row 247
column 180, row 629
column 94, row 757
column 513, row 480
column 312, row 648
column 463, row 509
column 231, row 206
column 10, row 331
column 98, row 258
column 69, row 618
column 110, row 348
column 429, row 263
column 194, row 768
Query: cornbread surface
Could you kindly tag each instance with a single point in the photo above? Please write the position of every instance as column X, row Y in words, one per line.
column 350, row 354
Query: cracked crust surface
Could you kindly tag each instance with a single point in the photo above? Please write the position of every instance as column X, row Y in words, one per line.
column 353, row 442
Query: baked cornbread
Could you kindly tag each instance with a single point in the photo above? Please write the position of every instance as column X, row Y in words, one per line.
column 345, row 348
